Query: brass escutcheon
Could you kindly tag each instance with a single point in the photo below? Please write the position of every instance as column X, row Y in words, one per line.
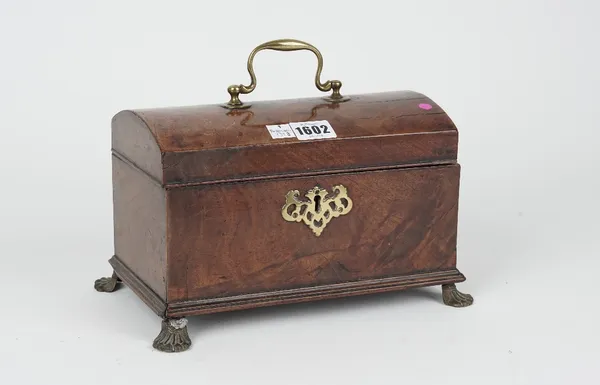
column 319, row 209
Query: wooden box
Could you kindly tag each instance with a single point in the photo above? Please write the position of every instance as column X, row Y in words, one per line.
column 233, row 206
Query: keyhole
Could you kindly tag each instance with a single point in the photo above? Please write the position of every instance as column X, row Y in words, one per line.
column 318, row 203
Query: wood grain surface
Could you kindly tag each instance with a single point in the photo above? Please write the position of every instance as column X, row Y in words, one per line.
column 312, row 293
column 195, row 128
column 140, row 225
column 200, row 144
column 230, row 239
column 198, row 193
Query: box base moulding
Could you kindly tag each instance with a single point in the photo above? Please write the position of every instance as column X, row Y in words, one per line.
column 174, row 338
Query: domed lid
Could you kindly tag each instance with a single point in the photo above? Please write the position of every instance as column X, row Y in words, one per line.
column 207, row 144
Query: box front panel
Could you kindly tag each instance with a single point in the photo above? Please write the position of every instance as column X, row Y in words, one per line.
column 231, row 239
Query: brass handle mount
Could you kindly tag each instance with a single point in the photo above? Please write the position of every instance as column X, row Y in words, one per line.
column 284, row 45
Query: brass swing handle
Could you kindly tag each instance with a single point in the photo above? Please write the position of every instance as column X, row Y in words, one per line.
column 284, row 45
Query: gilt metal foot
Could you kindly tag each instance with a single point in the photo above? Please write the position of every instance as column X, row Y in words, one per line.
column 107, row 284
column 453, row 297
column 173, row 336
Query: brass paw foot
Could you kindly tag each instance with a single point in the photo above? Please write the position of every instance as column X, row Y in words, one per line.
column 453, row 297
column 107, row 284
column 173, row 336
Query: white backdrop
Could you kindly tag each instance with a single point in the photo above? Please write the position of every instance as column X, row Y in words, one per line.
column 520, row 80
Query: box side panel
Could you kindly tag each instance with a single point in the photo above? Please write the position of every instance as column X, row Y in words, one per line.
column 140, row 225
column 231, row 239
